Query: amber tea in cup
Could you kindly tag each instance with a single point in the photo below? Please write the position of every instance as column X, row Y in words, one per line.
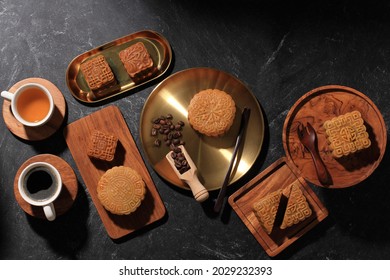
column 31, row 104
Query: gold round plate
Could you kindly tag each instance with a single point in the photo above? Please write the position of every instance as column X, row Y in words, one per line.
column 211, row 155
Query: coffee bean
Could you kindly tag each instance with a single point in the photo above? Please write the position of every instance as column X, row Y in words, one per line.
column 171, row 133
column 157, row 143
column 178, row 127
column 177, row 134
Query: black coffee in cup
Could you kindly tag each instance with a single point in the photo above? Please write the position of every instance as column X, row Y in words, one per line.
column 40, row 184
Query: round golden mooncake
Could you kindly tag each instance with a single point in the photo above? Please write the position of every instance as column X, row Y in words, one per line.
column 211, row 112
column 121, row 190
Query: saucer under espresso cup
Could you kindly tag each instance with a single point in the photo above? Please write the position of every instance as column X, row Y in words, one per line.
column 31, row 104
column 40, row 184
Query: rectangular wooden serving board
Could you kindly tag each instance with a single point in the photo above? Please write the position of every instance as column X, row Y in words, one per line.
column 277, row 176
column 77, row 136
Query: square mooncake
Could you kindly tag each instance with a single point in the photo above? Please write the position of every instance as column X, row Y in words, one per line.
column 102, row 145
column 97, row 73
column 347, row 134
column 136, row 59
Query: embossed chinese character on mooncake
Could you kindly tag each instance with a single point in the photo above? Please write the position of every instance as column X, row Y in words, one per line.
column 347, row 134
column 297, row 209
column 121, row 190
column 266, row 210
column 136, row 59
column 97, row 73
column 102, row 145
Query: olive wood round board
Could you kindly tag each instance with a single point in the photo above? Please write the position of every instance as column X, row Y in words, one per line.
column 41, row 132
column 69, row 186
column 278, row 176
column 78, row 135
column 322, row 104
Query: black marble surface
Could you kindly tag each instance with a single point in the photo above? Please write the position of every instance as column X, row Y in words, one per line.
column 279, row 49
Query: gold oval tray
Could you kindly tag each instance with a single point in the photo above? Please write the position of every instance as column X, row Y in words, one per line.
column 157, row 46
column 210, row 155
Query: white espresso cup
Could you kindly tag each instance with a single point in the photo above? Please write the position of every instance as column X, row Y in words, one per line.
column 31, row 104
column 40, row 184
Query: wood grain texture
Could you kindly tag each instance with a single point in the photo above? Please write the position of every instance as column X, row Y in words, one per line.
column 277, row 176
column 69, row 186
column 41, row 132
column 322, row 104
column 77, row 136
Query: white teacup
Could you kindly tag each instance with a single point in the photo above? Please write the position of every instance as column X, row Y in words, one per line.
column 31, row 104
column 40, row 184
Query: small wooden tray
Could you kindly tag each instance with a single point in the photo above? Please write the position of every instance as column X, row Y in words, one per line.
column 77, row 136
column 322, row 104
column 69, row 182
column 277, row 176
column 41, row 132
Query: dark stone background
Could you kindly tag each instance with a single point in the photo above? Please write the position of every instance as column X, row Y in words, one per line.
column 279, row 49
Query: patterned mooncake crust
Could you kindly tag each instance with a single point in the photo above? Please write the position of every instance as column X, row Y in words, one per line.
column 211, row 112
column 347, row 134
column 121, row 190
column 136, row 59
column 297, row 209
column 266, row 210
column 102, row 145
column 97, row 73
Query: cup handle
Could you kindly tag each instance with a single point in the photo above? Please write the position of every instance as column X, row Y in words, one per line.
column 50, row 212
column 7, row 95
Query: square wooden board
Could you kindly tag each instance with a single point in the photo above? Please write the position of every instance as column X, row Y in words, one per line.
column 277, row 176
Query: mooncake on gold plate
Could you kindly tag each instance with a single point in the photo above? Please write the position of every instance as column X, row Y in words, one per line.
column 347, row 134
column 266, row 210
column 136, row 59
column 297, row 209
column 121, row 190
column 211, row 112
column 97, row 73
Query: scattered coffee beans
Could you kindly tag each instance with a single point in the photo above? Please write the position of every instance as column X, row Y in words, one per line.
column 171, row 132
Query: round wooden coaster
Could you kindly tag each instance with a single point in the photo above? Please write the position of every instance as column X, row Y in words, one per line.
column 69, row 186
column 41, row 132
